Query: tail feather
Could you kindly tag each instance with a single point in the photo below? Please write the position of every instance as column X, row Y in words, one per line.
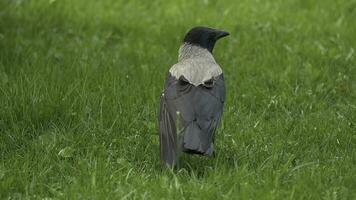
column 196, row 141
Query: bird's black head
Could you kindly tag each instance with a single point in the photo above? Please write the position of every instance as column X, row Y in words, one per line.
column 204, row 37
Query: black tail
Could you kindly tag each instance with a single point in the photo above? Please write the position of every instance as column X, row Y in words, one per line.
column 194, row 140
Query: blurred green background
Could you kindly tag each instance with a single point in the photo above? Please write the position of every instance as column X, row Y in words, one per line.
column 80, row 82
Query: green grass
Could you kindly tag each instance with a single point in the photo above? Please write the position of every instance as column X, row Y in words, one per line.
column 80, row 82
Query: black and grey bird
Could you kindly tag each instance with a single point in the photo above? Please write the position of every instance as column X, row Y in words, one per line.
column 192, row 102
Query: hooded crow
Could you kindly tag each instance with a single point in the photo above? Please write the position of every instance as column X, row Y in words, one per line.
column 191, row 104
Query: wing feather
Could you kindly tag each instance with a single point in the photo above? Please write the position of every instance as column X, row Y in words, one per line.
column 200, row 109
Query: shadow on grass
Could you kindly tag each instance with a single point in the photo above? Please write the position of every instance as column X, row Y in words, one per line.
column 197, row 166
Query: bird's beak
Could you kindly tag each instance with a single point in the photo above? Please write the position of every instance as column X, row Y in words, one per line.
column 221, row 34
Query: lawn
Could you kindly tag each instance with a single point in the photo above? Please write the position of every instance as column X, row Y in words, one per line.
column 80, row 83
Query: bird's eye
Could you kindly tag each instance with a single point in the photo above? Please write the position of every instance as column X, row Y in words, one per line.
column 211, row 37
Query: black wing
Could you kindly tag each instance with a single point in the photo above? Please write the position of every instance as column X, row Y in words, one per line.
column 199, row 110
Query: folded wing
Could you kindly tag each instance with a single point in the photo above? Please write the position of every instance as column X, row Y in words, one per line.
column 193, row 112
